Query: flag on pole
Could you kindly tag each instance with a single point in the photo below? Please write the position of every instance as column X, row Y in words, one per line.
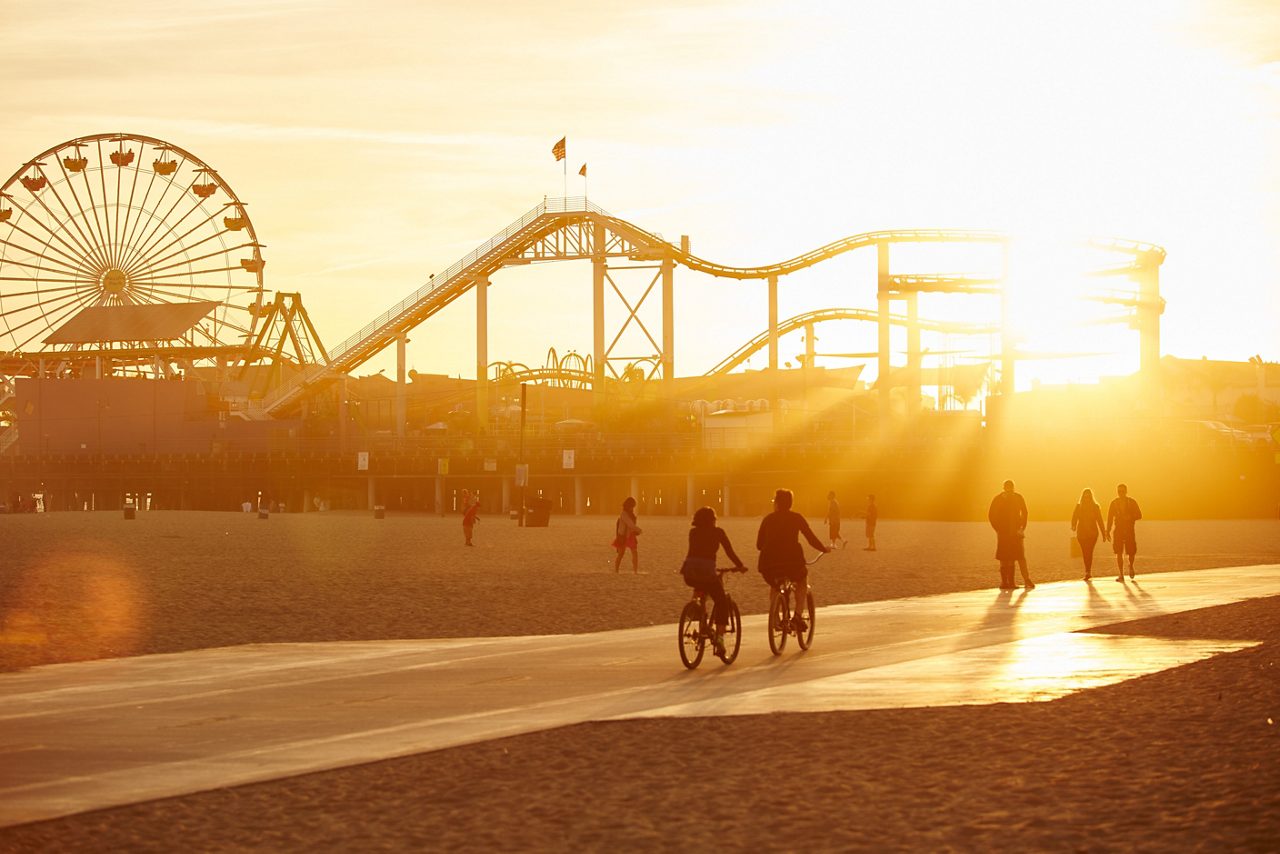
column 558, row 149
column 583, row 170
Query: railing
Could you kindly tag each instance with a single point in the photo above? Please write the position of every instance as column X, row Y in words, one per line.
column 547, row 206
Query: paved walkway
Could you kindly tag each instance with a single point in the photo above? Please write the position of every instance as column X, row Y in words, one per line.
column 78, row 737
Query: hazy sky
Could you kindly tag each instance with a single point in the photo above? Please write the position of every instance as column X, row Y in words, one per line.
column 378, row 142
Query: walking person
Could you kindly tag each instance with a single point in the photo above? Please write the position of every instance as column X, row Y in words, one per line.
column 1086, row 521
column 699, row 567
column 625, row 532
column 872, row 514
column 1122, row 519
column 1008, row 516
column 470, row 515
column 833, row 521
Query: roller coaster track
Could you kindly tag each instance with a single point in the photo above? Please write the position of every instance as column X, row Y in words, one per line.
column 567, row 229
column 800, row 321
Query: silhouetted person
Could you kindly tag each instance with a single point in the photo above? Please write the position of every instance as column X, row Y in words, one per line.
column 781, row 556
column 625, row 531
column 833, row 520
column 1008, row 516
column 699, row 567
column 470, row 515
column 1122, row 519
column 873, row 514
column 1086, row 521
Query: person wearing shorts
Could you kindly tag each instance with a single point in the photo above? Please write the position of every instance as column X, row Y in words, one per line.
column 781, row 556
column 1122, row 519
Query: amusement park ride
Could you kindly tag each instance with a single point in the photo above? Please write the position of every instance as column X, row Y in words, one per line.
column 125, row 255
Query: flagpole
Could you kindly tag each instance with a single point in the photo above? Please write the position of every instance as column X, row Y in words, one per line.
column 566, row 177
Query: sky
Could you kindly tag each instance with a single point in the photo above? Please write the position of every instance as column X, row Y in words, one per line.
column 376, row 143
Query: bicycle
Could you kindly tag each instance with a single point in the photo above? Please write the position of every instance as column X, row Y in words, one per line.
column 783, row 613
column 697, row 628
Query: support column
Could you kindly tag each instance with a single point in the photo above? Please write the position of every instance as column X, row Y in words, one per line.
column 724, row 492
column 883, row 344
column 668, row 325
column 373, row 494
column 506, row 495
column 635, row 488
column 915, row 357
column 579, row 496
column 599, row 265
column 482, row 355
column 1150, row 307
column 439, row 488
column 773, row 323
column 401, row 389
column 1007, row 344
column 690, row 495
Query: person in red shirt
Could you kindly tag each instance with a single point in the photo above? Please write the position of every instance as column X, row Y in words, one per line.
column 470, row 514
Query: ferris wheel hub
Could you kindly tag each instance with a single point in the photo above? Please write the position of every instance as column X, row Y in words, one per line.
column 114, row 281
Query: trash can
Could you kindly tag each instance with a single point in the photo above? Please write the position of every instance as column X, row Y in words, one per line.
column 264, row 513
column 379, row 512
column 538, row 514
column 130, row 511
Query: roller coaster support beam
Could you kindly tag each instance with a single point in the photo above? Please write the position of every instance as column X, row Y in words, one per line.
column 401, row 398
column 882, row 341
column 773, row 323
column 914, row 358
column 1150, row 307
column 482, row 354
column 1007, row 344
column 668, row 325
column 599, row 265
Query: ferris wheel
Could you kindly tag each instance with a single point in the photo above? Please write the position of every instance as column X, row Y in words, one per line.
column 120, row 220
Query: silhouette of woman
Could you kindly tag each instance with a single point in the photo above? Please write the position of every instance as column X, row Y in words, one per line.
column 1086, row 521
column 625, row 532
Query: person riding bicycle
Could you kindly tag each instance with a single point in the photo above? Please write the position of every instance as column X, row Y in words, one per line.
column 699, row 567
column 781, row 556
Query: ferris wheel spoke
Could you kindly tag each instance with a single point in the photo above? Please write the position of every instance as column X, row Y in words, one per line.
column 92, row 215
column 156, row 234
column 133, row 190
column 30, row 279
column 88, row 246
column 106, row 208
column 41, row 292
column 96, row 254
column 157, row 272
column 149, row 231
column 178, row 240
column 37, row 306
column 53, row 235
column 142, row 206
column 214, row 236
column 49, row 323
column 181, row 273
column 62, row 264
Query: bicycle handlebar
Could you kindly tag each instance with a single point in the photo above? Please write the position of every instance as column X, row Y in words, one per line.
column 816, row 558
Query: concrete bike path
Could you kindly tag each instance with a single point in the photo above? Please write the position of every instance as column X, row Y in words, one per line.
column 85, row 736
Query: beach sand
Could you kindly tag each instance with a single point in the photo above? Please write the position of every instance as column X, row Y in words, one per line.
column 1185, row 759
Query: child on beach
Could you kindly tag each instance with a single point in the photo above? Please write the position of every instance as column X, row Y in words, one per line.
column 625, row 532
column 699, row 567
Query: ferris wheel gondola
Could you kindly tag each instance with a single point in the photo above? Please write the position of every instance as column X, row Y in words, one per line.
column 115, row 220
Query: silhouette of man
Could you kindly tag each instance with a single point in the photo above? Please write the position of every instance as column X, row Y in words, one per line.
column 1008, row 516
column 1122, row 518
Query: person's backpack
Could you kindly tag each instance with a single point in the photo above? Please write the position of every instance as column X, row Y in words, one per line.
column 619, row 528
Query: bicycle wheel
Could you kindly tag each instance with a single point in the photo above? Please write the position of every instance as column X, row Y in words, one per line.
column 691, row 639
column 805, row 638
column 732, row 634
column 778, row 618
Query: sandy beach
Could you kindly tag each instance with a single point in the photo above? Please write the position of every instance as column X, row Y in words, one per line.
column 1185, row 759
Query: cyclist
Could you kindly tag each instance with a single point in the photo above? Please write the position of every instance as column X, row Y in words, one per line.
column 699, row 567
column 781, row 556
